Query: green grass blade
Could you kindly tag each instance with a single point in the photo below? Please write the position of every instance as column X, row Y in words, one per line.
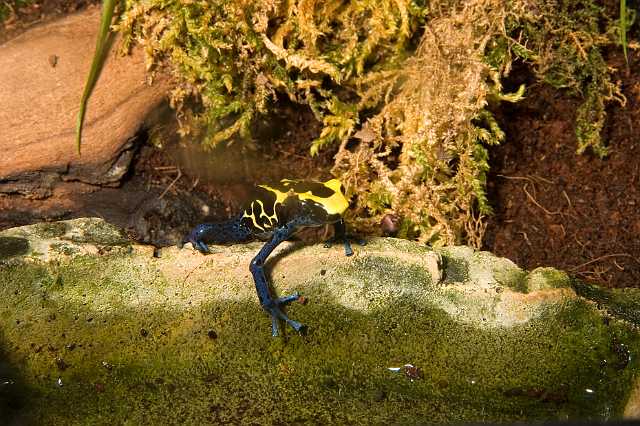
column 623, row 29
column 108, row 7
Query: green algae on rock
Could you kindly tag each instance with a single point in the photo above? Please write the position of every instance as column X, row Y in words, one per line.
column 92, row 335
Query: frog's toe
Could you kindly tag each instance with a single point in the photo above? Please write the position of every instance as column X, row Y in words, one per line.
column 299, row 327
column 275, row 329
column 277, row 314
column 201, row 247
column 346, row 242
column 288, row 299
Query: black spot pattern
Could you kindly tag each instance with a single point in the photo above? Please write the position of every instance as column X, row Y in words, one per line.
column 299, row 187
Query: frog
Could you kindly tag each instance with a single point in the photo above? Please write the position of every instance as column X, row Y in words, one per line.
column 275, row 213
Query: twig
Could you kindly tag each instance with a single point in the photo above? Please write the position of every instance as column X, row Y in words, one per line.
column 171, row 184
column 195, row 183
column 526, row 238
column 571, row 215
column 533, row 200
column 618, row 266
column 543, row 179
column 597, row 274
column 564, row 233
column 199, row 265
column 515, row 177
column 597, row 259
column 579, row 46
column 567, row 198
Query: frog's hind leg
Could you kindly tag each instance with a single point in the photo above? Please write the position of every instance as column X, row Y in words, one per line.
column 268, row 303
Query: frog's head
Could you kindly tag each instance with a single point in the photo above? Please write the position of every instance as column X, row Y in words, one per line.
column 337, row 202
column 335, row 185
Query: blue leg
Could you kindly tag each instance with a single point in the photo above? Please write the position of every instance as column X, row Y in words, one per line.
column 224, row 232
column 262, row 286
column 340, row 234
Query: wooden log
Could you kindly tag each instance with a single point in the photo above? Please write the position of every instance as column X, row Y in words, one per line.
column 42, row 75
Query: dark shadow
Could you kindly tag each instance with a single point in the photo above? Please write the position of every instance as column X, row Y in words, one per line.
column 273, row 260
column 14, row 394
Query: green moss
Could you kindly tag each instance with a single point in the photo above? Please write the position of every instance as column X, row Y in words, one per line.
column 399, row 245
column 542, row 278
column 515, row 279
column 9, row 7
column 338, row 373
column 564, row 42
column 13, row 246
column 49, row 230
column 621, row 303
column 99, row 232
column 64, row 248
column 371, row 268
column 455, row 269
column 131, row 346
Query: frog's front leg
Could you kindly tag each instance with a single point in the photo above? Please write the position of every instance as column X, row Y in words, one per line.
column 268, row 303
column 224, row 232
column 340, row 235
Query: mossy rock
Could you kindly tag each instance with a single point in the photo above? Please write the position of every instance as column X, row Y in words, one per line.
column 105, row 332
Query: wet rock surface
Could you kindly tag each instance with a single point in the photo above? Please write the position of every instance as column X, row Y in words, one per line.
column 96, row 329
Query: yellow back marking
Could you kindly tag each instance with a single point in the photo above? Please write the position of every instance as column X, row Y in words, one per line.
column 334, row 204
column 271, row 219
column 253, row 217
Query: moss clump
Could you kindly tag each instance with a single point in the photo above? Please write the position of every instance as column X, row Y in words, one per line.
column 13, row 246
column 97, row 231
column 8, row 8
column 64, row 249
column 543, row 278
column 49, row 230
column 400, row 87
column 564, row 41
column 621, row 303
column 455, row 270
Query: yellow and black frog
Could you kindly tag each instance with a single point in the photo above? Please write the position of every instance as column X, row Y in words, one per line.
column 275, row 214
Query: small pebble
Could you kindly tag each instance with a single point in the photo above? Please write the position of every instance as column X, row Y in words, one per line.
column 61, row 364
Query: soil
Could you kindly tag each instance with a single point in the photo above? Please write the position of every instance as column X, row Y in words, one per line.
column 552, row 207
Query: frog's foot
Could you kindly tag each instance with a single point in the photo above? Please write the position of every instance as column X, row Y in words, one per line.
column 276, row 313
column 197, row 243
column 201, row 247
column 346, row 241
